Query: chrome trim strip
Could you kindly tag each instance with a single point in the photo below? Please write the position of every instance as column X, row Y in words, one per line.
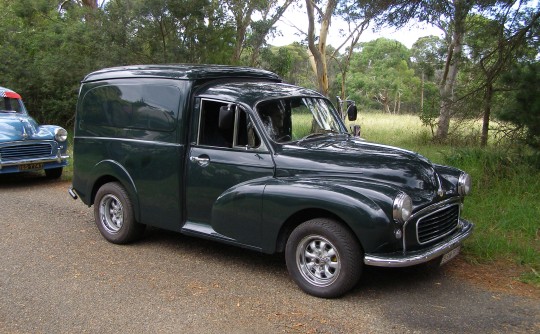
column 421, row 256
column 29, row 161
column 130, row 140
column 27, row 142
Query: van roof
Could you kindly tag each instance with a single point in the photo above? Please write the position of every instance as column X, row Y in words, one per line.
column 181, row 71
column 251, row 92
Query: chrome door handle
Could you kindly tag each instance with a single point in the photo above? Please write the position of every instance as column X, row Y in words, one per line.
column 202, row 161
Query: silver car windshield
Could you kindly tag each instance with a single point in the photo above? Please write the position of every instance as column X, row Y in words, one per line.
column 293, row 119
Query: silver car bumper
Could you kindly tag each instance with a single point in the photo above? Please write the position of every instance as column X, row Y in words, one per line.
column 420, row 256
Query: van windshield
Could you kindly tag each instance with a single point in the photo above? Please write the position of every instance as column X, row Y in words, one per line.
column 292, row 119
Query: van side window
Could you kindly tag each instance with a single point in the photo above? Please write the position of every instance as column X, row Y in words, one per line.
column 149, row 107
column 226, row 125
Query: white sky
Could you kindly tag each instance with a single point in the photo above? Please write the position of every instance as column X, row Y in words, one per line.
column 297, row 17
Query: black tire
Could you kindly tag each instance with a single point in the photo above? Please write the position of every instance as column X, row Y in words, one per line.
column 324, row 258
column 54, row 173
column 113, row 214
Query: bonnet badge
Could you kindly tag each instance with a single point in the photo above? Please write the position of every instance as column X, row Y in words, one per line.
column 24, row 134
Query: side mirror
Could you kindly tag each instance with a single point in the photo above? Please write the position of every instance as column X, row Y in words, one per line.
column 352, row 112
column 226, row 117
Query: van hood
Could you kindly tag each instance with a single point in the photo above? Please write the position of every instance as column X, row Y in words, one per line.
column 356, row 159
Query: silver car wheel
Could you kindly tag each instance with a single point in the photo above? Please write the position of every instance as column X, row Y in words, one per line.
column 111, row 213
column 318, row 260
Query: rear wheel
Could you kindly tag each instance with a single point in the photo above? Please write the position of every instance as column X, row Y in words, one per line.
column 323, row 258
column 53, row 173
column 113, row 214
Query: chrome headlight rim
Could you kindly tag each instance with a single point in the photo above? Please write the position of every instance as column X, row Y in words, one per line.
column 60, row 134
column 402, row 207
column 464, row 184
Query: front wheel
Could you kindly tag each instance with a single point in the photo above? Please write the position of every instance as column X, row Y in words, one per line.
column 53, row 173
column 323, row 258
column 113, row 214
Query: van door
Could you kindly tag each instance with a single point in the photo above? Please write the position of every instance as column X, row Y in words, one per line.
column 227, row 169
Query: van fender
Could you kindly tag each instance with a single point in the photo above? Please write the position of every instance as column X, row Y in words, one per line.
column 362, row 206
column 112, row 171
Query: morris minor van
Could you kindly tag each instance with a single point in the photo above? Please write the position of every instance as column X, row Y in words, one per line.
column 235, row 155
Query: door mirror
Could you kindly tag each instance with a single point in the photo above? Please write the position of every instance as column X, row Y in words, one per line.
column 352, row 112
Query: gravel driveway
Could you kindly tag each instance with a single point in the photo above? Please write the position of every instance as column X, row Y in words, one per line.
column 58, row 275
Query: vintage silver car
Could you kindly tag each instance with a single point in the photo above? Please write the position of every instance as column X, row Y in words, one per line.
column 24, row 144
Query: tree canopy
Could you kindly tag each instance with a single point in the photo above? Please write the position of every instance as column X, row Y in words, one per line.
column 49, row 45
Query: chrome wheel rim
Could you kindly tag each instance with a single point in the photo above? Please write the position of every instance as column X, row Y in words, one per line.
column 111, row 213
column 318, row 260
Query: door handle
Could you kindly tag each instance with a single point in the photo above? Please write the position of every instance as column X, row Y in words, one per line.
column 202, row 160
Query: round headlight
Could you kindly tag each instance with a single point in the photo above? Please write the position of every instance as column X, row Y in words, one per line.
column 464, row 184
column 402, row 207
column 60, row 134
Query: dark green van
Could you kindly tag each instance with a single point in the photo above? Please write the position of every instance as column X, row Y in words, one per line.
column 235, row 155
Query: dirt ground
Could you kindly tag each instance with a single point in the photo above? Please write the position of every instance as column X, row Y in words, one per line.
column 500, row 276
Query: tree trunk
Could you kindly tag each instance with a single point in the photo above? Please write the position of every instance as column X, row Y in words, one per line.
column 488, row 97
column 422, row 95
column 446, row 87
column 242, row 18
column 319, row 51
column 90, row 3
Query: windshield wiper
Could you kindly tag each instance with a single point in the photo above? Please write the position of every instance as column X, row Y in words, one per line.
column 321, row 134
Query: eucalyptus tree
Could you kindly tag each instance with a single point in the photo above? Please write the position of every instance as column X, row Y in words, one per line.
column 253, row 32
column 260, row 29
column 497, row 44
column 428, row 60
column 320, row 13
column 451, row 17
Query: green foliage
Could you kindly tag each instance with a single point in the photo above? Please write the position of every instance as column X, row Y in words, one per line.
column 524, row 110
column 427, row 55
column 279, row 60
column 46, row 53
column 381, row 77
column 291, row 62
column 430, row 109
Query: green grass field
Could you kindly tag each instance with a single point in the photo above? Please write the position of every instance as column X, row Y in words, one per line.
column 504, row 204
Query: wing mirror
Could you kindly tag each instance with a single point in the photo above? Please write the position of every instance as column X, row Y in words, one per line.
column 352, row 112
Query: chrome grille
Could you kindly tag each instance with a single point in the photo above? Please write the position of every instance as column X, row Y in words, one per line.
column 437, row 224
column 22, row 152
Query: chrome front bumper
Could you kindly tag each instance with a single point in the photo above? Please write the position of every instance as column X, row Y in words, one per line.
column 420, row 256
column 59, row 158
